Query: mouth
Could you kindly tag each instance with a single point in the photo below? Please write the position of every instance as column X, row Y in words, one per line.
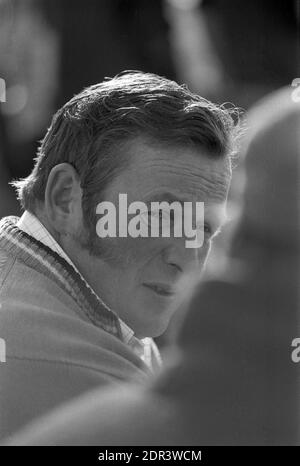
column 160, row 289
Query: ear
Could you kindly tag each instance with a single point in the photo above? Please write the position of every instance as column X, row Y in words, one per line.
column 63, row 198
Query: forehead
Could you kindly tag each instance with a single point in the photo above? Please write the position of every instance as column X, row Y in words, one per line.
column 186, row 172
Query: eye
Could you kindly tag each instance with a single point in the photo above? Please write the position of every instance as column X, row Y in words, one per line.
column 207, row 229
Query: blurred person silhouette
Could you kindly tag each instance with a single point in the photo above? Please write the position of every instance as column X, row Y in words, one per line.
column 231, row 380
column 258, row 46
column 235, row 55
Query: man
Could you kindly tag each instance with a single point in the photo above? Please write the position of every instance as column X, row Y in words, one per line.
column 234, row 379
column 78, row 310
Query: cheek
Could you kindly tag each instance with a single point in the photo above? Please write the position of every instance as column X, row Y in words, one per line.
column 141, row 251
column 129, row 252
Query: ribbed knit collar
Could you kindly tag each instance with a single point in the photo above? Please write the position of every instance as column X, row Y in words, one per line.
column 43, row 259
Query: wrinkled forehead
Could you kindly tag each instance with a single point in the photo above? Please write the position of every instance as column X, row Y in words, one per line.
column 187, row 171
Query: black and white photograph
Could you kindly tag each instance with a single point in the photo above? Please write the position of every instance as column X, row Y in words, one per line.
column 149, row 228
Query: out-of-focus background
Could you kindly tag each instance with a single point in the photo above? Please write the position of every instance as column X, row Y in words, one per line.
column 225, row 50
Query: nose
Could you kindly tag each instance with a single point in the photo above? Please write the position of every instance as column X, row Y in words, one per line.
column 183, row 259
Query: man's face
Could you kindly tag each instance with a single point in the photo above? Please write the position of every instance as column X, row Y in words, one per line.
column 136, row 276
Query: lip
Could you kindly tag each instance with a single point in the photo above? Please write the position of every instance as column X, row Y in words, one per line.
column 161, row 289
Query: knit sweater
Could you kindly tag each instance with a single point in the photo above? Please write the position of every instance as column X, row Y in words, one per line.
column 60, row 340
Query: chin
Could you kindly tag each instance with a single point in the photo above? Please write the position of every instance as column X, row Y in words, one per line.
column 155, row 328
column 153, row 316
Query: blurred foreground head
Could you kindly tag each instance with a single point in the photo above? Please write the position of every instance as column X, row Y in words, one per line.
column 232, row 380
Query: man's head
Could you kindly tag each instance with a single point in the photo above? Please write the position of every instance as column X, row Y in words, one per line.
column 149, row 138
